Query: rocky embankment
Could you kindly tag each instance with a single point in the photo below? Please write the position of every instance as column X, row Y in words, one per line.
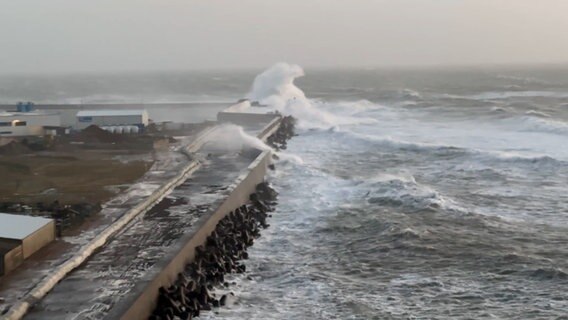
column 223, row 253
column 278, row 141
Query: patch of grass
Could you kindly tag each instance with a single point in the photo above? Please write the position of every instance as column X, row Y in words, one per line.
column 25, row 178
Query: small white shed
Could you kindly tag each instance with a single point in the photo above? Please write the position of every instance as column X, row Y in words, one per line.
column 20, row 237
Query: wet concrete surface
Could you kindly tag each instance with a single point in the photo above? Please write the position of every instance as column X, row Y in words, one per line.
column 90, row 291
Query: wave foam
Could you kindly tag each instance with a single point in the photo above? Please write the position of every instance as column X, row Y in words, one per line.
column 403, row 191
column 445, row 151
column 499, row 95
column 523, row 80
column 537, row 114
column 531, row 123
column 411, row 94
column 390, row 142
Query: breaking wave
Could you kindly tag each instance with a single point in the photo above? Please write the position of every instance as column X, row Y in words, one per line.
column 498, row 95
column 411, row 94
column 523, row 80
column 387, row 143
column 276, row 84
column 537, row 114
column 275, row 88
column 538, row 124
column 403, row 191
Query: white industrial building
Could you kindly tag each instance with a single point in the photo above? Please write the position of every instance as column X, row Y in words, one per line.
column 112, row 118
column 22, row 236
column 19, row 124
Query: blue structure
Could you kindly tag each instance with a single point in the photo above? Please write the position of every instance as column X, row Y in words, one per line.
column 25, row 107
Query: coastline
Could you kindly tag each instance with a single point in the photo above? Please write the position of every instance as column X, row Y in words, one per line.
column 157, row 194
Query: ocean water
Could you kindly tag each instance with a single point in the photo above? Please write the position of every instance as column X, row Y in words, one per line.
column 420, row 194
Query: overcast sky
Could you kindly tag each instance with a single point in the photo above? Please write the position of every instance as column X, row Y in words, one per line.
column 117, row 35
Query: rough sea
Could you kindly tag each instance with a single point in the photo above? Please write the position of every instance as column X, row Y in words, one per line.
column 420, row 194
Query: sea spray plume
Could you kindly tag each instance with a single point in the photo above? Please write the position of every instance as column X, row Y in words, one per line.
column 277, row 82
column 229, row 138
column 316, row 115
column 232, row 138
column 275, row 88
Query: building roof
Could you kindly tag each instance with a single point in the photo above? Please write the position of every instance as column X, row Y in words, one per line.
column 27, row 114
column 14, row 226
column 102, row 113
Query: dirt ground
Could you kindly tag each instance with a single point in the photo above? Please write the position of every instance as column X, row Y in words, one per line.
column 81, row 176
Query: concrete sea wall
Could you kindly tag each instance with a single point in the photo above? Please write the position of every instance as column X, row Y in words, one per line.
column 141, row 304
column 270, row 129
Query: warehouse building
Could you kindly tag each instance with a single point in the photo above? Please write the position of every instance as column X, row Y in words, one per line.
column 112, row 118
column 22, row 236
column 21, row 124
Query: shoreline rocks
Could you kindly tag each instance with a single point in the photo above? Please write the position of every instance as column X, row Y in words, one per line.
column 278, row 141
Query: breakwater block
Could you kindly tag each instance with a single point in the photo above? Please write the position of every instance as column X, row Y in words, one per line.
column 222, row 253
column 286, row 130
